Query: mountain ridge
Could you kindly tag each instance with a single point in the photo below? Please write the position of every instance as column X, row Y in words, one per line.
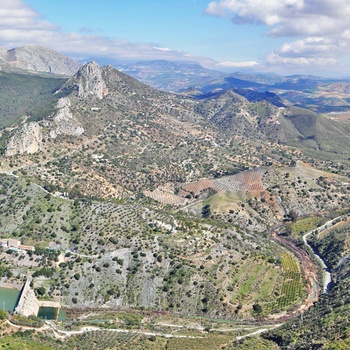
column 37, row 58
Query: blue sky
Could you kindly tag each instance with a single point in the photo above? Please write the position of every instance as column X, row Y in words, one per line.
column 177, row 24
column 283, row 36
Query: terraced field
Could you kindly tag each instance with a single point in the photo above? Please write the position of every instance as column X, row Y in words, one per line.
column 254, row 282
column 273, row 287
column 292, row 287
column 249, row 180
column 107, row 340
column 166, row 197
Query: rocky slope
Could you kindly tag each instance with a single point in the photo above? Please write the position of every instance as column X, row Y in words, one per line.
column 38, row 59
column 27, row 139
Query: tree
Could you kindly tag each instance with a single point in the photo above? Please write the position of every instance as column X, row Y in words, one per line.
column 41, row 291
column 257, row 308
column 206, row 211
column 293, row 215
column 3, row 314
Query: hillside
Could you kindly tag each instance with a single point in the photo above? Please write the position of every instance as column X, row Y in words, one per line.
column 114, row 119
column 312, row 132
column 267, row 117
column 26, row 96
column 165, row 203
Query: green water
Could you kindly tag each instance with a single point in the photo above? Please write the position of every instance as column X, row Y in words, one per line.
column 9, row 298
column 62, row 316
column 50, row 313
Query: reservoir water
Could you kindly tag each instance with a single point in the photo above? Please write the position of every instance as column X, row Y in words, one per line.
column 50, row 313
column 9, row 298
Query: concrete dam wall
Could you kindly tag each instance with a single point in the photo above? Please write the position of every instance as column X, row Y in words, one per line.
column 28, row 304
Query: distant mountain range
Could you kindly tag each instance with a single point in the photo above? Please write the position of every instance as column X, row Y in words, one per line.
column 171, row 76
column 316, row 93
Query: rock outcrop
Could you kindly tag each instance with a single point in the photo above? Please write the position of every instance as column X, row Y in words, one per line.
column 65, row 122
column 27, row 139
column 90, row 81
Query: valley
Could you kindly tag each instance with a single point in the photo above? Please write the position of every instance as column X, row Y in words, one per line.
column 170, row 221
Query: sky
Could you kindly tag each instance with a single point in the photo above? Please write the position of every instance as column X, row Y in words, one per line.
column 281, row 36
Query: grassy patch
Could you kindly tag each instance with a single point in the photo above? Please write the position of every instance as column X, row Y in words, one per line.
column 305, row 225
column 255, row 282
column 208, row 342
column 254, row 343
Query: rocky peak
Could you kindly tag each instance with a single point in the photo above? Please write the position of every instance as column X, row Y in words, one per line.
column 90, row 82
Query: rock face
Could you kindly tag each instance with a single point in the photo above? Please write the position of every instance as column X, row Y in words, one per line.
column 27, row 139
column 65, row 122
column 39, row 59
column 90, row 81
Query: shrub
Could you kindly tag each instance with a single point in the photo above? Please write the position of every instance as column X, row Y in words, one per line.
column 41, row 291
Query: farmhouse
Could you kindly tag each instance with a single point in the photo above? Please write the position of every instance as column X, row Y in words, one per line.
column 15, row 243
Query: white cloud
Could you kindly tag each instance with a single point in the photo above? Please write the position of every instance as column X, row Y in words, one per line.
column 162, row 48
column 247, row 64
column 287, row 17
column 21, row 25
column 15, row 13
column 311, row 46
column 277, row 59
column 320, row 25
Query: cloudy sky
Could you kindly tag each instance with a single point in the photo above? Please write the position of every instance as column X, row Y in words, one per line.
column 282, row 36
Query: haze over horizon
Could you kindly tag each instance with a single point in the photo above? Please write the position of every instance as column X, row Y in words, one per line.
column 286, row 37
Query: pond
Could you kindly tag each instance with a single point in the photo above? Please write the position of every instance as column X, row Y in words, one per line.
column 50, row 313
column 9, row 298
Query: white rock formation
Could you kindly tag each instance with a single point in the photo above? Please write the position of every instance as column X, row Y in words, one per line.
column 91, row 82
column 65, row 121
column 27, row 139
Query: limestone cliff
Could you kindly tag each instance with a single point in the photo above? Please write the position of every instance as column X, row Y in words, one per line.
column 90, row 81
column 65, row 122
column 26, row 139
